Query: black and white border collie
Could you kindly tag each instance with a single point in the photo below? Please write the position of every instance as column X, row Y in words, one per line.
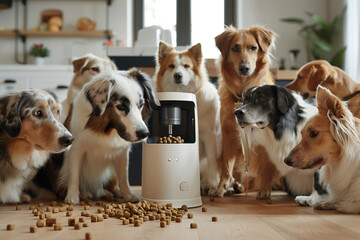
column 274, row 117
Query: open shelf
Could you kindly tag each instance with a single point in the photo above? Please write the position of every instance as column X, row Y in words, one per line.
column 7, row 33
column 65, row 33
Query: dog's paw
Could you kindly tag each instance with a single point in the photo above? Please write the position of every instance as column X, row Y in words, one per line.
column 323, row 205
column 238, row 188
column 25, row 198
column 263, row 195
column 72, row 199
column 131, row 197
column 303, row 200
column 85, row 195
column 220, row 192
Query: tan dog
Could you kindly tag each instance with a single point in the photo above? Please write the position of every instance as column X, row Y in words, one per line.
column 320, row 72
column 331, row 139
column 85, row 68
column 244, row 64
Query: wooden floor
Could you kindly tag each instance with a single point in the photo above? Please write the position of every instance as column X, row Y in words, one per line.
column 239, row 217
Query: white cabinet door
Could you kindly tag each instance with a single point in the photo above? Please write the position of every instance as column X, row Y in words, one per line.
column 10, row 82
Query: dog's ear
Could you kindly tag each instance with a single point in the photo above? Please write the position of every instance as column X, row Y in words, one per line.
column 196, row 52
column 80, row 63
column 223, row 41
column 10, row 113
column 343, row 126
column 163, row 50
column 264, row 37
column 98, row 93
column 322, row 74
column 144, row 81
column 285, row 100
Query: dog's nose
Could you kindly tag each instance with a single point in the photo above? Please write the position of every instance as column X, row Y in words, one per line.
column 66, row 140
column 239, row 113
column 244, row 69
column 141, row 134
column 178, row 77
column 289, row 161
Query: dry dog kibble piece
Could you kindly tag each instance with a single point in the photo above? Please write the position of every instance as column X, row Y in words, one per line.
column 42, row 216
column 31, row 207
column 204, row 209
column 81, row 219
column 105, row 216
column 85, row 225
column 100, row 219
column 55, row 210
column 184, row 207
column 68, row 214
column 70, row 208
column 40, row 204
column 58, row 227
column 214, row 219
column 178, row 219
column 49, row 209
column 37, row 214
column 137, row 223
column 87, row 236
column 71, row 221
column 269, row 201
column 33, row 229
column 18, row 207
column 82, row 203
column 212, row 199
column 50, row 222
column 40, row 223
column 193, row 225
column 162, row 224
column 77, row 226
column 125, row 222
column 87, row 207
column 10, row 227
column 190, row 215
column 53, row 203
column 173, row 218
column 93, row 218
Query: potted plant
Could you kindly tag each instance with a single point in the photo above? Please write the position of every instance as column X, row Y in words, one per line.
column 39, row 52
column 319, row 37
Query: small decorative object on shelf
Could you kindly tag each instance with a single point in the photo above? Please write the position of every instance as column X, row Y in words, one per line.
column 39, row 52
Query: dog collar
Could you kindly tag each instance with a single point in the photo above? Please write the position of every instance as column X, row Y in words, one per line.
column 348, row 97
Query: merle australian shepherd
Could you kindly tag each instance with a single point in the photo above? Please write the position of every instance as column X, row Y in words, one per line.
column 273, row 117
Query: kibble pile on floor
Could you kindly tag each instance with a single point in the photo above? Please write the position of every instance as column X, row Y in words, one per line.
column 134, row 214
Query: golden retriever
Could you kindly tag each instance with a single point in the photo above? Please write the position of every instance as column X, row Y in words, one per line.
column 244, row 63
column 320, row 72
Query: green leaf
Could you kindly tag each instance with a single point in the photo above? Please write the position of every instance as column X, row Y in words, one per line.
column 338, row 58
column 319, row 20
column 292, row 20
column 320, row 44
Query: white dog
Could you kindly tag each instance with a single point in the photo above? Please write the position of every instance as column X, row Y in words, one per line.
column 185, row 72
column 106, row 119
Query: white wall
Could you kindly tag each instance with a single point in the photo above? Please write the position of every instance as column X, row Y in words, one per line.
column 269, row 12
column 63, row 49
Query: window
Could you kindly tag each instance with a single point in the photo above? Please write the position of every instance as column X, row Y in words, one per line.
column 207, row 21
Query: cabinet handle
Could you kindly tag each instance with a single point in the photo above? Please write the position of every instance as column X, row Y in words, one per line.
column 9, row 81
column 62, row 87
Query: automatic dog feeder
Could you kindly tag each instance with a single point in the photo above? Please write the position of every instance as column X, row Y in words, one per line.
column 171, row 171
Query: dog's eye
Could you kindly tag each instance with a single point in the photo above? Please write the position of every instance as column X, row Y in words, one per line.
column 252, row 48
column 314, row 133
column 186, row 66
column 171, row 66
column 235, row 48
column 120, row 107
column 299, row 77
column 95, row 69
column 141, row 105
column 38, row 113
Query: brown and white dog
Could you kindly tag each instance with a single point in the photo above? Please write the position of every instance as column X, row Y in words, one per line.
column 30, row 129
column 85, row 68
column 185, row 72
column 244, row 63
column 331, row 139
column 106, row 119
column 320, row 72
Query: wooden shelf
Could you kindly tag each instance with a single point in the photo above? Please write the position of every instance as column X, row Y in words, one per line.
column 65, row 33
column 7, row 33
